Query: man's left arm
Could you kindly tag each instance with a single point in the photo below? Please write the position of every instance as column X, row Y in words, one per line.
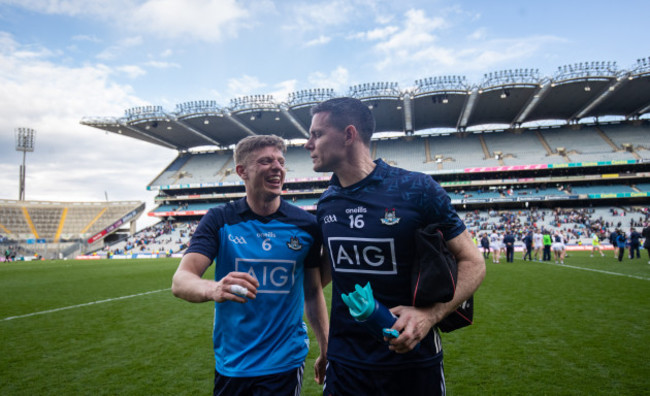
column 415, row 323
column 316, row 311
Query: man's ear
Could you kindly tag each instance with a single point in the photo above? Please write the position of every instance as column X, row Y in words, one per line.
column 241, row 171
column 351, row 134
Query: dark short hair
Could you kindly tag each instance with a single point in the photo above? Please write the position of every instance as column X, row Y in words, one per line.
column 348, row 111
column 253, row 143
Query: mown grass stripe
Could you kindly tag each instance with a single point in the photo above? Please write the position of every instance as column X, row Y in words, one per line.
column 82, row 305
column 597, row 270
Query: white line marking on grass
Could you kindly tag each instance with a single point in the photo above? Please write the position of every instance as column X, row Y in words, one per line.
column 596, row 270
column 83, row 305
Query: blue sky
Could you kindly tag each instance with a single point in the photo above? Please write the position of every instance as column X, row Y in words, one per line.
column 61, row 60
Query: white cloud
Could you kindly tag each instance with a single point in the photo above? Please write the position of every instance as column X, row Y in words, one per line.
column 86, row 37
column 417, row 31
column 338, row 79
column 282, row 89
column 376, row 34
column 115, row 50
column 105, row 8
column 131, row 71
column 245, row 85
column 417, row 42
column 70, row 162
column 320, row 40
column 311, row 16
column 478, row 34
column 204, row 20
column 163, row 65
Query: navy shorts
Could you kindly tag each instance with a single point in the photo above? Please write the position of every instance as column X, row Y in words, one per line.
column 288, row 383
column 343, row 380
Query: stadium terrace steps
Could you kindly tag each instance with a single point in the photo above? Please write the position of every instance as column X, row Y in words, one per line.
column 82, row 219
column 442, row 152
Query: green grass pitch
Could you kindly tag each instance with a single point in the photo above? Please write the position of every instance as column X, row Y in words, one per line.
column 112, row 327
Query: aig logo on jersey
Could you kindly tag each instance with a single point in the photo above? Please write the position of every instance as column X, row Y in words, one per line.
column 274, row 276
column 363, row 255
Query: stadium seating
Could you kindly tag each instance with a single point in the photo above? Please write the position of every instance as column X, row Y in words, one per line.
column 405, row 153
column 298, row 164
column 53, row 221
column 517, row 149
column 636, row 135
column 602, row 189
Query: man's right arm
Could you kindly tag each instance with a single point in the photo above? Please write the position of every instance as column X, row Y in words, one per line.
column 189, row 285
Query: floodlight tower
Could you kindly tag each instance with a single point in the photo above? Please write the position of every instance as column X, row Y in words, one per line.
column 24, row 143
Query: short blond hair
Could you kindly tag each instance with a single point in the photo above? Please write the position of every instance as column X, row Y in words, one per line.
column 253, row 143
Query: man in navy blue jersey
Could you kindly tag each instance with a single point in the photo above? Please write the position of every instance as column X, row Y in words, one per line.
column 267, row 256
column 369, row 216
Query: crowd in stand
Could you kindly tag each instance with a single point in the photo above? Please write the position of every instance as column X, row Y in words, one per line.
column 543, row 230
column 156, row 238
column 576, row 226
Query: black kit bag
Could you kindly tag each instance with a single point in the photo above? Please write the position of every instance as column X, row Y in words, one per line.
column 434, row 275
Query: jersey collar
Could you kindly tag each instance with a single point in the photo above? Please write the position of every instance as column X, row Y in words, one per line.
column 242, row 209
column 377, row 175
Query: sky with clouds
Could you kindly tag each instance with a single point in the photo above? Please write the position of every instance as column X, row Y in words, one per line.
column 62, row 60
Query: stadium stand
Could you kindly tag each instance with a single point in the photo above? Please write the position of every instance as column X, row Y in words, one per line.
column 62, row 229
column 299, row 164
column 517, row 148
column 407, row 153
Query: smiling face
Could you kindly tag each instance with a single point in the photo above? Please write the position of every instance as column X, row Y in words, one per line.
column 263, row 173
column 326, row 144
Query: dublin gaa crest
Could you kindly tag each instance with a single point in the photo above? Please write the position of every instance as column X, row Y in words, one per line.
column 390, row 218
column 294, row 244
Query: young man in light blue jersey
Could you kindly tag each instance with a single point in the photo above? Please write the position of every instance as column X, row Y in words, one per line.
column 267, row 254
column 369, row 216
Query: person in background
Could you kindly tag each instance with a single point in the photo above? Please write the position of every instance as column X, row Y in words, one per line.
column 548, row 241
column 509, row 241
column 538, row 244
column 595, row 244
column 559, row 247
column 267, row 257
column 375, row 209
column 635, row 243
column 612, row 239
column 621, row 240
column 528, row 246
column 646, row 242
column 495, row 246
column 485, row 244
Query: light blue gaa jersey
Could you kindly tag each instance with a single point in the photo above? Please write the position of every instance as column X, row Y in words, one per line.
column 266, row 335
column 369, row 231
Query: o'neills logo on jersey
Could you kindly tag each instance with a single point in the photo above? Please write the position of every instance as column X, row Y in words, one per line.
column 274, row 276
column 363, row 255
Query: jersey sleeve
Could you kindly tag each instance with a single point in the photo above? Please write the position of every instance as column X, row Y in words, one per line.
column 438, row 209
column 206, row 236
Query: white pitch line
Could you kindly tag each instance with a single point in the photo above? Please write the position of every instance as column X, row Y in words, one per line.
column 83, row 305
column 596, row 270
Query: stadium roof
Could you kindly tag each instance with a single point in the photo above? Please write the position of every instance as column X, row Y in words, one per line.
column 508, row 97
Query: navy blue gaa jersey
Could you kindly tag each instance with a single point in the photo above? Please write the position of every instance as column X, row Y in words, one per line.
column 368, row 230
